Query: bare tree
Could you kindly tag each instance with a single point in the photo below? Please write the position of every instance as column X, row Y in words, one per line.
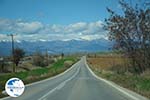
column 17, row 55
column 131, row 33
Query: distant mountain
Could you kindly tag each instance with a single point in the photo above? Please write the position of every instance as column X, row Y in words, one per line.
column 55, row 47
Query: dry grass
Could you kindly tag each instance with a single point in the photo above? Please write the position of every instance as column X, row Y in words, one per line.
column 109, row 66
column 106, row 62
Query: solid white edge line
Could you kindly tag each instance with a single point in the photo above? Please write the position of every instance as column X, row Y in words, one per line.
column 109, row 83
column 58, row 86
column 53, row 77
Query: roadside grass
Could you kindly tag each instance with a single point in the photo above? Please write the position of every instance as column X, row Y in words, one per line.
column 60, row 63
column 106, row 67
column 36, row 74
column 106, row 62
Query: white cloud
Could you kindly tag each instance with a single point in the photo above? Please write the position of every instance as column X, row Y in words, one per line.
column 19, row 26
column 32, row 31
column 25, row 27
column 77, row 27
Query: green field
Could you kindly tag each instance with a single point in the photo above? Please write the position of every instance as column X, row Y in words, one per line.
column 37, row 74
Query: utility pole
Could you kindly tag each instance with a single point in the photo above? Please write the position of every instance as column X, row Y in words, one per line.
column 12, row 41
column 47, row 57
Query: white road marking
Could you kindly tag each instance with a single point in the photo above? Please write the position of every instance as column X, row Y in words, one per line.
column 61, row 85
column 39, row 82
column 54, row 76
column 111, row 84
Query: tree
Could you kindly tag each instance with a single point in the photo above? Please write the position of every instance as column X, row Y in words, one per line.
column 38, row 59
column 46, row 58
column 131, row 33
column 62, row 55
column 17, row 55
column 2, row 63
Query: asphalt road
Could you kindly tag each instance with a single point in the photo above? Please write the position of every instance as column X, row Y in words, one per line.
column 77, row 83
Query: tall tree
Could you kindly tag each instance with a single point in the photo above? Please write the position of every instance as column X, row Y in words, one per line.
column 131, row 33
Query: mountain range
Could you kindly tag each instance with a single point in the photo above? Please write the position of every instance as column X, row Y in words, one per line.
column 57, row 46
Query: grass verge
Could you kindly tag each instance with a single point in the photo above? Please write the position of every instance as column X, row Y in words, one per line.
column 37, row 74
column 137, row 83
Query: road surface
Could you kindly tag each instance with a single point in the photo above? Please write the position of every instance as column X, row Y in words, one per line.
column 77, row 83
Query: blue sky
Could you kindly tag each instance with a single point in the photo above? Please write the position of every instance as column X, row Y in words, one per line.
column 47, row 20
column 56, row 11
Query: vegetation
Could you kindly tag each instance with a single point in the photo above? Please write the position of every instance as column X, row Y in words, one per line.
column 18, row 53
column 131, row 33
column 2, row 64
column 38, row 59
column 113, row 67
column 42, row 60
column 62, row 55
column 37, row 74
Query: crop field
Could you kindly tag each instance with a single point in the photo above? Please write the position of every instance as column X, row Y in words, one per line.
column 106, row 62
column 108, row 67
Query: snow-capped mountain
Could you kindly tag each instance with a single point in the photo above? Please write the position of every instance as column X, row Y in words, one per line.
column 71, row 46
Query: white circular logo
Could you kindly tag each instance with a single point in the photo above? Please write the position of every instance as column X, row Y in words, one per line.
column 14, row 87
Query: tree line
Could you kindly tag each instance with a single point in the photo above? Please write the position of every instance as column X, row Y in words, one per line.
column 37, row 59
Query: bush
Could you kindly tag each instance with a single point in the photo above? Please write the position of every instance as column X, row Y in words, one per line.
column 38, row 59
column 118, row 69
column 68, row 63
